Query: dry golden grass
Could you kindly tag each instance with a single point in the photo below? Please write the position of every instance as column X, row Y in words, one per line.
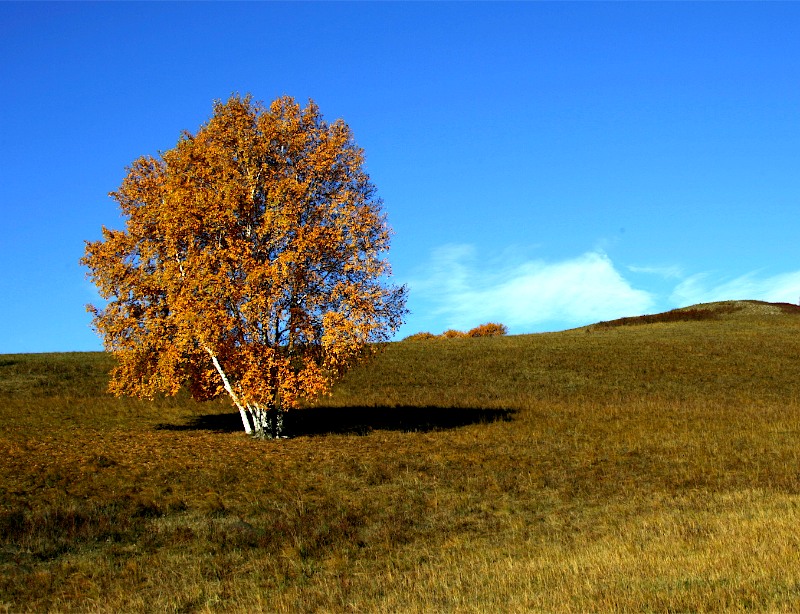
column 646, row 465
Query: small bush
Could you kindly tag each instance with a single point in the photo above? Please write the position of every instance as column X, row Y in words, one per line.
column 453, row 334
column 490, row 329
column 423, row 336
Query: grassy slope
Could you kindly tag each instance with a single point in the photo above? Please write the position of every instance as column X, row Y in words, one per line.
column 640, row 465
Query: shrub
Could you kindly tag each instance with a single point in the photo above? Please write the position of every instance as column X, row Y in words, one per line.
column 453, row 334
column 422, row 336
column 490, row 329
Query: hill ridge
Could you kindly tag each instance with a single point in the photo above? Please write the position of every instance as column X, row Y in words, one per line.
column 704, row 311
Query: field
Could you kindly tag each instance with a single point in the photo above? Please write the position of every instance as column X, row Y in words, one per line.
column 643, row 465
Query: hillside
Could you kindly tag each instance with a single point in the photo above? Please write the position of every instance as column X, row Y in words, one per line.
column 644, row 464
column 714, row 350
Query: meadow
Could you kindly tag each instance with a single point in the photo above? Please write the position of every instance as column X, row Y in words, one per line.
column 642, row 465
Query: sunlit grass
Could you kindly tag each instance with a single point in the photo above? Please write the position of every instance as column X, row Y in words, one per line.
column 649, row 465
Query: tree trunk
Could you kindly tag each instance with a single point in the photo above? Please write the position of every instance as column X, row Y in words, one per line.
column 268, row 422
column 230, row 392
column 276, row 423
column 259, row 421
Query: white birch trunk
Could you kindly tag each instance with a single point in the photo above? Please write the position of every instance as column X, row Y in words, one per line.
column 257, row 414
column 277, row 427
column 267, row 422
column 230, row 391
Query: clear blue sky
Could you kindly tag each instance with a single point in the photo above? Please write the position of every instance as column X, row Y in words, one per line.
column 545, row 165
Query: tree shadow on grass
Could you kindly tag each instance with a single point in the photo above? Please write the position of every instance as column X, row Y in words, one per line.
column 355, row 420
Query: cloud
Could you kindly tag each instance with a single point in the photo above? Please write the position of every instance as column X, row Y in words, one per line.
column 702, row 288
column 460, row 288
column 457, row 290
column 667, row 272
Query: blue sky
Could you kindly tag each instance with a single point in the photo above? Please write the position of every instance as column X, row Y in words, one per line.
column 545, row 165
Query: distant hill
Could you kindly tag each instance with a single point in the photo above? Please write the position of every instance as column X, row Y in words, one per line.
column 707, row 311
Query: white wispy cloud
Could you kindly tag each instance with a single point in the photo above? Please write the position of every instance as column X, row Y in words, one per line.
column 703, row 288
column 667, row 272
column 459, row 290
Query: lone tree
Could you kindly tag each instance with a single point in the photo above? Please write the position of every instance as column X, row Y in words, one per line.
column 252, row 262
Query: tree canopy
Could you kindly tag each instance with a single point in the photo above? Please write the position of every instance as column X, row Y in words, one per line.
column 252, row 262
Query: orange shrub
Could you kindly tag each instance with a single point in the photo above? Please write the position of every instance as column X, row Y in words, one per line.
column 422, row 336
column 453, row 334
column 490, row 329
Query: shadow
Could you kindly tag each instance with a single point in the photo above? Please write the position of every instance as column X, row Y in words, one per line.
column 355, row 420
column 219, row 423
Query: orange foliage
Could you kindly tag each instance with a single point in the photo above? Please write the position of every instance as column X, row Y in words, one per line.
column 453, row 334
column 421, row 336
column 490, row 329
column 257, row 242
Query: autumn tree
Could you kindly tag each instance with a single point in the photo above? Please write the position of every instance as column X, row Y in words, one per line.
column 252, row 262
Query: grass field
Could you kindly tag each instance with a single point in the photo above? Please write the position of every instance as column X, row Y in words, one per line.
column 643, row 465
